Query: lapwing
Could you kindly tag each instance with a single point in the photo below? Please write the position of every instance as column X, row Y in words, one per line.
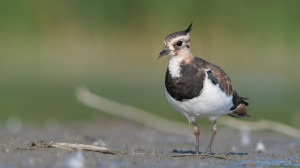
column 197, row 88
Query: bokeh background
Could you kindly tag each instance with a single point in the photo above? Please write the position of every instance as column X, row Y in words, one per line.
column 48, row 48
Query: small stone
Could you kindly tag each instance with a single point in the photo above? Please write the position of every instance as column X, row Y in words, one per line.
column 250, row 164
column 295, row 161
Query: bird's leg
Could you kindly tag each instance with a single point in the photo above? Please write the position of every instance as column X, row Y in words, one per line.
column 214, row 131
column 196, row 132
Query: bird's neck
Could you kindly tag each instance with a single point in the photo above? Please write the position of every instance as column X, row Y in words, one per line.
column 175, row 63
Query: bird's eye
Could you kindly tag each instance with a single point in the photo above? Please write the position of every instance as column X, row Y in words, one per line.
column 179, row 43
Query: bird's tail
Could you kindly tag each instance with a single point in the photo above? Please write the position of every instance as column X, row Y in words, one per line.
column 240, row 111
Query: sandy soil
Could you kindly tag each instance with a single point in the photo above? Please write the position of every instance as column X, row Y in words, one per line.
column 142, row 147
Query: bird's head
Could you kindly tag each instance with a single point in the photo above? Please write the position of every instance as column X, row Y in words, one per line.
column 177, row 43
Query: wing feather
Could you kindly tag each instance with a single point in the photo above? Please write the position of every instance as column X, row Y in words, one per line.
column 239, row 103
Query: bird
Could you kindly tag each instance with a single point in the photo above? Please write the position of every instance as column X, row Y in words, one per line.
column 197, row 88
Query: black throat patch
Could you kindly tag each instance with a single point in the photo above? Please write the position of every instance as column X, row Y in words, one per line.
column 189, row 85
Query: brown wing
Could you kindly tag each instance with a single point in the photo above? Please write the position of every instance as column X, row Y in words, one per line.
column 239, row 103
column 223, row 79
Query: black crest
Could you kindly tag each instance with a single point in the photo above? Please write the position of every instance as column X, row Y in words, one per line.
column 189, row 28
column 180, row 33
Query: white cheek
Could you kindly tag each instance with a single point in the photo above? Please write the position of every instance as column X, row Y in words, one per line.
column 172, row 53
column 171, row 47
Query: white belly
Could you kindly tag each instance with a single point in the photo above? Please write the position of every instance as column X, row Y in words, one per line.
column 211, row 103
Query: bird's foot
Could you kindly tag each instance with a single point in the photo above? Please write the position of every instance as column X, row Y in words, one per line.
column 208, row 151
column 202, row 156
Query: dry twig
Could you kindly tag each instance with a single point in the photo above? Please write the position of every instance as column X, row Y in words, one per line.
column 260, row 126
column 143, row 117
column 73, row 146
column 131, row 113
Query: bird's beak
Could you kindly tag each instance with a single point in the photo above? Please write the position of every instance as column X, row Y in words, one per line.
column 163, row 52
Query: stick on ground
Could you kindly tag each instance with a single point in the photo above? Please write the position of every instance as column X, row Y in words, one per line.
column 90, row 99
column 73, row 146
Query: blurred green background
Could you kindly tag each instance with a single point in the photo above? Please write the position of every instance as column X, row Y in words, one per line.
column 50, row 47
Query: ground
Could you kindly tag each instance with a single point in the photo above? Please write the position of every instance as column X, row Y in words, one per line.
column 142, row 147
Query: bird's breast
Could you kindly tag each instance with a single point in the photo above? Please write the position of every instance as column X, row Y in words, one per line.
column 187, row 86
column 211, row 101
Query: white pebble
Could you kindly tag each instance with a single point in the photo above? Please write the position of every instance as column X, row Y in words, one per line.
column 260, row 147
column 76, row 160
column 245, row 136
column 99, row 142
column 233, row 149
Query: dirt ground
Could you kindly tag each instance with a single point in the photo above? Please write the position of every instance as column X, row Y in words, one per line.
column 142, row 147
